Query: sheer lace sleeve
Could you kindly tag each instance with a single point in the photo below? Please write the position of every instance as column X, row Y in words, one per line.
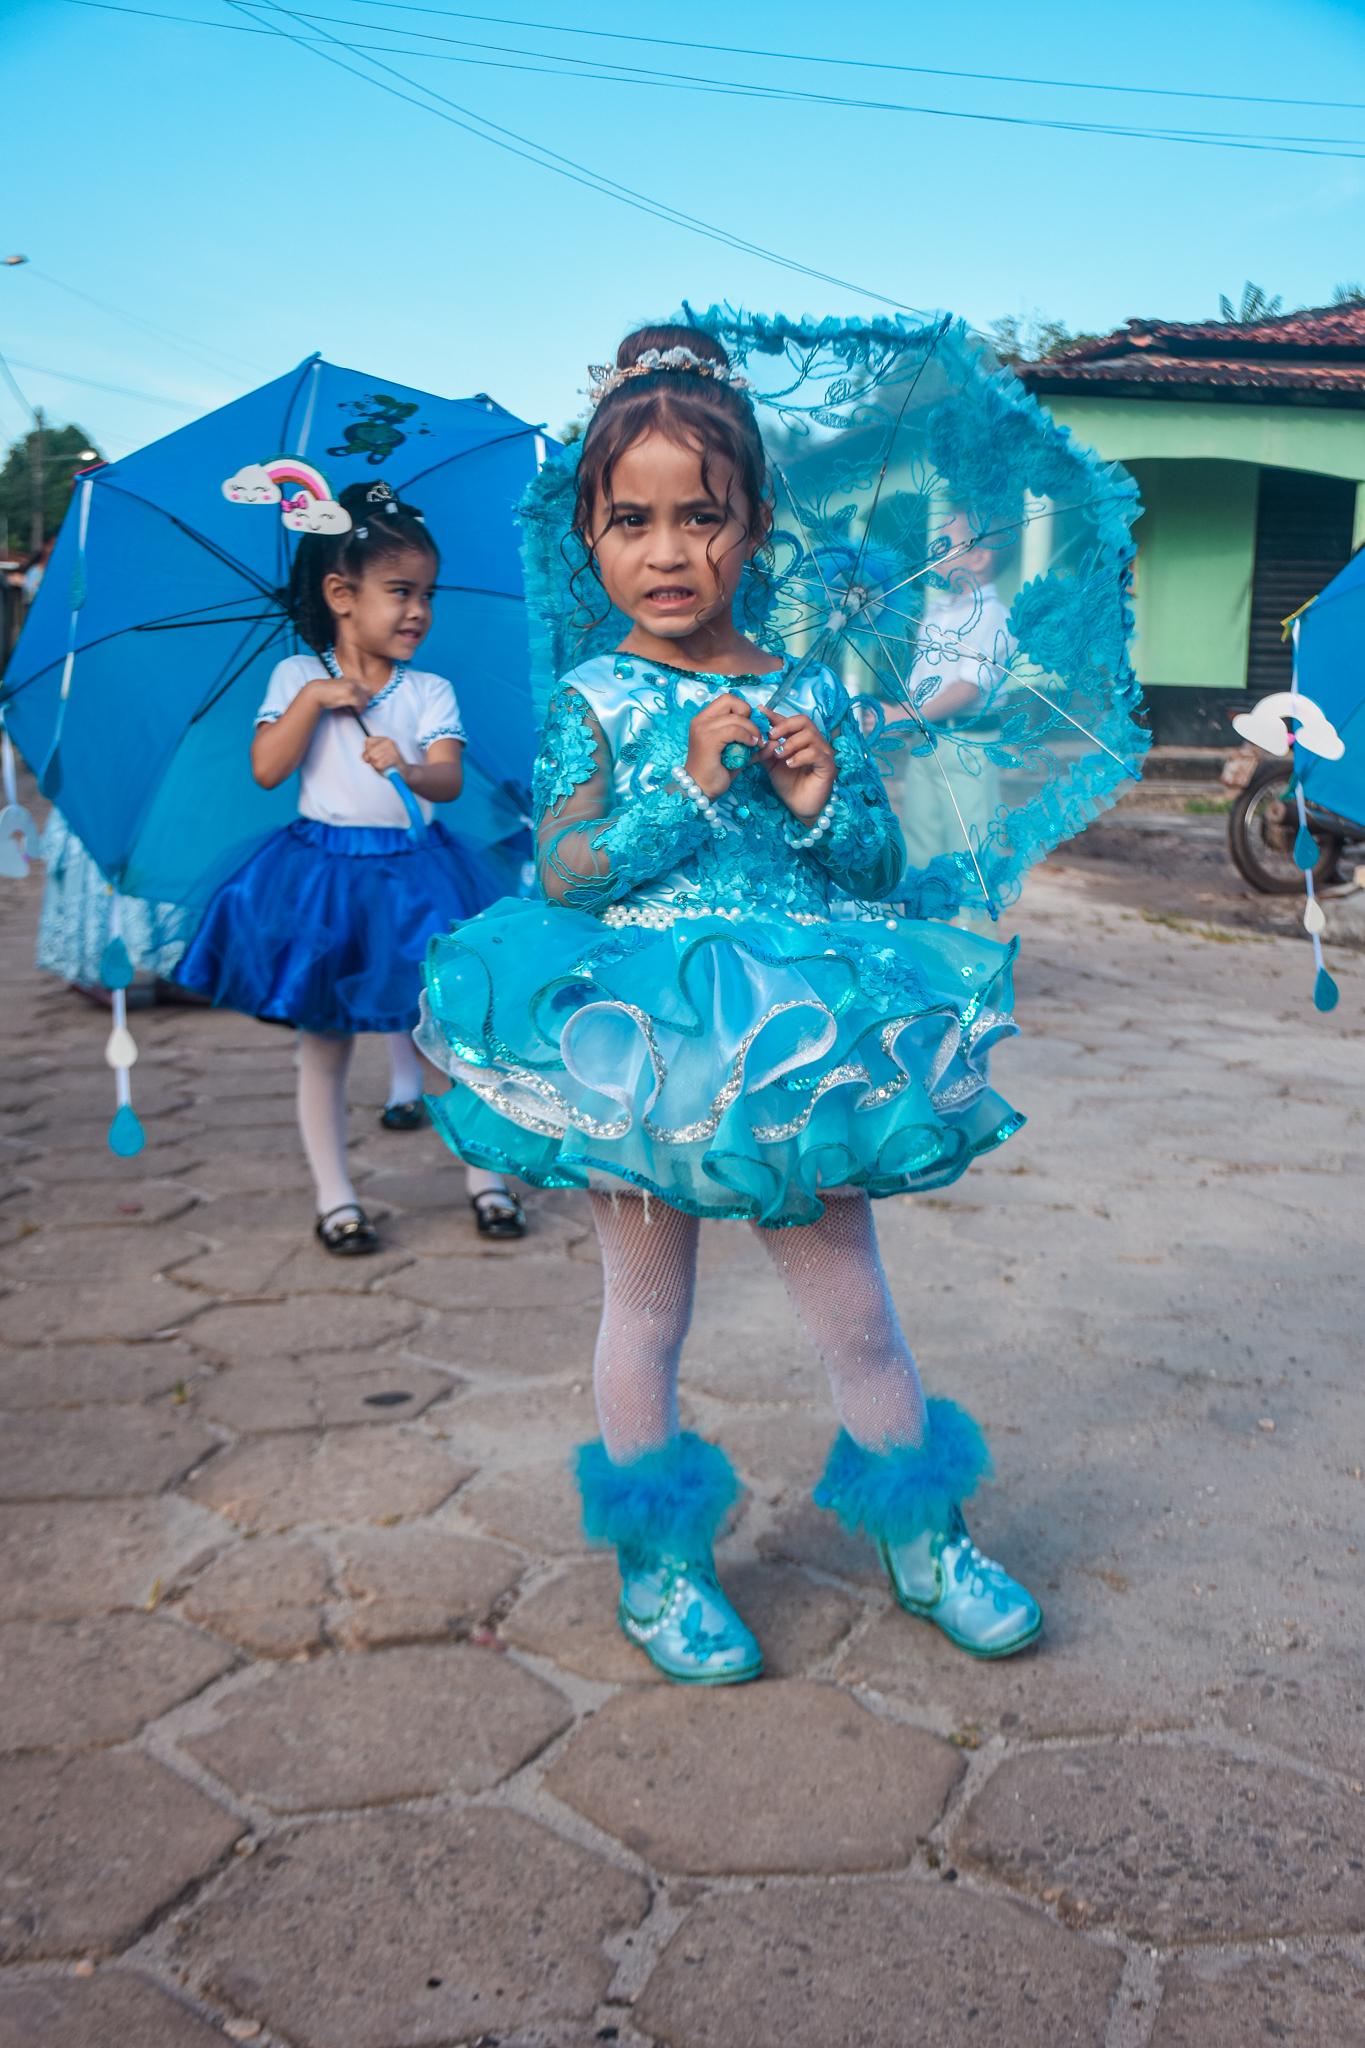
column 863, row 851
column 587, row 854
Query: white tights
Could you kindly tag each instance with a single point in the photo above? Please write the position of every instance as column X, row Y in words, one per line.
column 323, row 1065
column 833, row 1274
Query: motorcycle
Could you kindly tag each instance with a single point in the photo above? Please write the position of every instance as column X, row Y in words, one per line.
column 1264, row 820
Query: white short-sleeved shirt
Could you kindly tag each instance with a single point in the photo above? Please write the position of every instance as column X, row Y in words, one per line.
column 964, row 638
column 336, row 785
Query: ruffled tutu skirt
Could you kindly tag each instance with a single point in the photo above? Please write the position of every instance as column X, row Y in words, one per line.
column 732, row 1067
column 325, row 927
column 75, row 923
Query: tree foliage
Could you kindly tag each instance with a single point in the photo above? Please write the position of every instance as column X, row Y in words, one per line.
column 61, row 449
column 1256, row 305
column 1032, row 338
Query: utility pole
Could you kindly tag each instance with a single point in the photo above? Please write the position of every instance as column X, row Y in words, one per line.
column 37, row 442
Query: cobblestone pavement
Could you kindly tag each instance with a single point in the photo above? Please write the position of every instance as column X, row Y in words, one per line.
column 316, row 1728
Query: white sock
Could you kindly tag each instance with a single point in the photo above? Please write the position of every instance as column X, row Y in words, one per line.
column 323, row 1064
column 649, row 1275
column 833, row 1273
column 405, row 1069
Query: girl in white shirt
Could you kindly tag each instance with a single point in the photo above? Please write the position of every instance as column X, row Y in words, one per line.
column 326, row 926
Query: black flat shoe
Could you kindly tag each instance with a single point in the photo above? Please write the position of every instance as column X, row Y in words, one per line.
column 404, row 1116
column 350, row 1236
column 498, row 1213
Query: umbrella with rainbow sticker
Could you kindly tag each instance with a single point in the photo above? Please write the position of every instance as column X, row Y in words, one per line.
column 133, row 690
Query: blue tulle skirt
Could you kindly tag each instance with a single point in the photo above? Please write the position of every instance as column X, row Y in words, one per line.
column 732, row 1067
column 325, row 927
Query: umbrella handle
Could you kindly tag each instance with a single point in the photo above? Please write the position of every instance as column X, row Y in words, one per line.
column 417, row 824
column 736, row 755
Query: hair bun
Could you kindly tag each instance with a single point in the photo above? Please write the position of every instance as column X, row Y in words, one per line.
column 374, row 499
column 662, row 339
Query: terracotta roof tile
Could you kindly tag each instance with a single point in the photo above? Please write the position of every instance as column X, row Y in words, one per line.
column 1320, row 349
column 1164, row 369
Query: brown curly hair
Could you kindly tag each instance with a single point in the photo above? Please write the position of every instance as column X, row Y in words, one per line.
column 691, row 410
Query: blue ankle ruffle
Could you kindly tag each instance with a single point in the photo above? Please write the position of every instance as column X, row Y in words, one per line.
column 895, row 1495
column 669, row 1502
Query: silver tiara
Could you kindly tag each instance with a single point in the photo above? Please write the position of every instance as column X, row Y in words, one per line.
column 606, row 378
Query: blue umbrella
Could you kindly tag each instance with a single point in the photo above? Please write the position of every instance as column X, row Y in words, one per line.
column 1331, row 670
column 135, row 682
column 134, row 686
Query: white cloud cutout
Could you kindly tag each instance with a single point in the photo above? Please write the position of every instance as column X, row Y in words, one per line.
column 252, row 485
column 316, row 515
column 1264, row 725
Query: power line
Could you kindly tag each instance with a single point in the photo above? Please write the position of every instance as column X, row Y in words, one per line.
column 1172, row 92
column 550, row 64
column 515, row 144
column 70, row 377
column 186, row 343
column 12, row 381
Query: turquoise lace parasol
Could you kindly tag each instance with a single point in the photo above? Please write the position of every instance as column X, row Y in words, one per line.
column 950, row 552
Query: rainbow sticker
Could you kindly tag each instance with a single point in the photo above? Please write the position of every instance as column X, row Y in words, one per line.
column 310, row 509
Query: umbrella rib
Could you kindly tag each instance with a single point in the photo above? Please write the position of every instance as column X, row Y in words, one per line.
column 188, row 624
column 220, row 689
column 1093, row 737
column 461, row 455
column 914, row 712
column 211, row 547
column 929, row 354
column 943, row 773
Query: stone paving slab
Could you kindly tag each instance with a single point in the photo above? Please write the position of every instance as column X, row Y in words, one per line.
column 59, row 1561
column 1211, row 2002
column 416, row 1583
column 132, row 1307
column 413, row 1931
column 572, row 1621
column 881, row 1965
column 98, row 1453
column 550, row 1417
column 1105, row 1293
column 92, row 1165
column 109, row 1202
column 277, row 1394
column 113, row 2009
column 86, row 1375
column 245, row 1332
column 781, row 1776
column 92, row 1846
column 267, row 1595
column 506, row 1340
column 364, row 1731
column 273, row 1264
column 1171, row 1844
column 532, row 1282
column 535, row 1506
column 71, row 1684
column 1314, row 1709
column 278, row 1482
column 49, row 1259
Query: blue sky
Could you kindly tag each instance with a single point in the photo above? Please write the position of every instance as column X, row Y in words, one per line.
column 253, row 198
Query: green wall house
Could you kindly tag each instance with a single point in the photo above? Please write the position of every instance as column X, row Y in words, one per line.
column 1248, row 446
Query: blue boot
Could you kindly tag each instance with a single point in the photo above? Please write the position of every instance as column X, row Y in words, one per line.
column 909, row 1501
column 661, row 1512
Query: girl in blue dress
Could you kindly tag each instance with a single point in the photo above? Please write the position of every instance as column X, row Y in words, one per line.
column 326, row 925
column 685, row 1027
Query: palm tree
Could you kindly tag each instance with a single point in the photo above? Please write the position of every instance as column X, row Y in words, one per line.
column 1257, row 305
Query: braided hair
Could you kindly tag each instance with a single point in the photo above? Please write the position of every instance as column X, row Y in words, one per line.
column 381, row 525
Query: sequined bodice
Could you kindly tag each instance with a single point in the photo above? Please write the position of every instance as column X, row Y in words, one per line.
column 614, row 827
